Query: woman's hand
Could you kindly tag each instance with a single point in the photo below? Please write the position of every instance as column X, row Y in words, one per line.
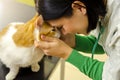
column 54, row 47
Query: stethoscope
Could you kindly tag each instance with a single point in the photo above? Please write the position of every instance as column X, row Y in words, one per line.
column 96, row 42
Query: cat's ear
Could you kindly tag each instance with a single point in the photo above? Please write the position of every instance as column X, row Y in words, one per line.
column 39, row 21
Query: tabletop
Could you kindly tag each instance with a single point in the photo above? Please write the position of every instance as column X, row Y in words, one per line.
column 47, row 65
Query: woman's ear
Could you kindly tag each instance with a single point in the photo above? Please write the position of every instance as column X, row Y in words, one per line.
column 77, row 5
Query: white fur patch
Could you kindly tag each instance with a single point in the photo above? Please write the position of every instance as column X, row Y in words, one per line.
column 15, row 57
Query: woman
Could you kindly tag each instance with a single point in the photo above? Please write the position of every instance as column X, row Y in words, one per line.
column 82, row 16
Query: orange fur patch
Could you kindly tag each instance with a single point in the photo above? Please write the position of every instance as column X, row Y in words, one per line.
column 46, row 30
column 25, row 33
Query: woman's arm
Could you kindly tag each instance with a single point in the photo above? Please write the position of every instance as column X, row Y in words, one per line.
column 90, row 67
column 86, row 43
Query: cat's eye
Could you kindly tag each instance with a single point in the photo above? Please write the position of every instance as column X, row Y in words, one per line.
column 53, row 29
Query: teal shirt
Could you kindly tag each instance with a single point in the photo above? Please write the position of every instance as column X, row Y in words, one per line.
column 90, row 67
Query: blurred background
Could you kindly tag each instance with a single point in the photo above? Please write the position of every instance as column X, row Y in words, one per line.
column 15, row 11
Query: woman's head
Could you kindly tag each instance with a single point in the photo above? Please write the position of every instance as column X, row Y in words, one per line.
column 77, row 14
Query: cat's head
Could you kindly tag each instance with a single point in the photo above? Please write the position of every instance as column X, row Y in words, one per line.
column 44, row 28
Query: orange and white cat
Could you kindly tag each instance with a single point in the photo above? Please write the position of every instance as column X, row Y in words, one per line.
column 17, row 45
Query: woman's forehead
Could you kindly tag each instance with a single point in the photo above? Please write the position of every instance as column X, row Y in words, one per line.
column 57, row 22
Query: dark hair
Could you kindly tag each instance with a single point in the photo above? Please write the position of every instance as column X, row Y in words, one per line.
column 54, row 9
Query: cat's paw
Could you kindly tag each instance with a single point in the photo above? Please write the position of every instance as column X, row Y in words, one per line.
column 9, row 77
column 35, row 68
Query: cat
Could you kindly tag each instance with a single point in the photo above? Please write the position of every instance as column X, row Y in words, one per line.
column 17, row 47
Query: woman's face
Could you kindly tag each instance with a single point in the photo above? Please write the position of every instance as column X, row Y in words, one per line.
column 78, row 23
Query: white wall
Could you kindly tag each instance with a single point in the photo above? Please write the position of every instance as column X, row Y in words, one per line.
column 12, row 11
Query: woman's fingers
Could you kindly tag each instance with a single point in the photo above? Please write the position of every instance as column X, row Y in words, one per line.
column 46, row 38
column 54, row 47
column 42, row 44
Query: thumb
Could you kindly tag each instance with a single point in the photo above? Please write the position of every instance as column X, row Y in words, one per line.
column 46, row 38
